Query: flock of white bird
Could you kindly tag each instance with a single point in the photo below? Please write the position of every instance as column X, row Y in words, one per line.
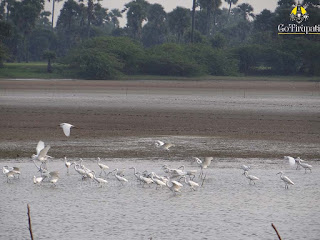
column 173, row 179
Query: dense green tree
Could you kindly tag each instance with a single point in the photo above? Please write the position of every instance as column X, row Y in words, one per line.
column 155, row 30
column 245, row 10
column 24, row 15
column 136, row 14
column 210, row 7
column 179, row 20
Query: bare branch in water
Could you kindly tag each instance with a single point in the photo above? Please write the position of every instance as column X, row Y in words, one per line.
column 274, row 227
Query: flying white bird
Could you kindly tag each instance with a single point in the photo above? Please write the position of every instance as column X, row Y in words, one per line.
column 285, row 179
column 41, row 152
column 66, row 128
column 163, row 145
column 251, row 177
column 291, row 160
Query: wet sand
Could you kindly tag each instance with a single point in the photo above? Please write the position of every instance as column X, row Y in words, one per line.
column 225, row 118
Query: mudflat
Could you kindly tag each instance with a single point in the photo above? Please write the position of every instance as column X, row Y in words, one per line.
column 231, row 118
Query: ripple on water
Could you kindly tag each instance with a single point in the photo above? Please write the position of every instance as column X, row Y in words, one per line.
column 225, row 207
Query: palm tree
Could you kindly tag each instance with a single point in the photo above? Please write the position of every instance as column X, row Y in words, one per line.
column 193, row 19
column 210, row 6
column 230, row 4
column 52, row 13
column 246, row 10
column 49, row 55
column 114, row 14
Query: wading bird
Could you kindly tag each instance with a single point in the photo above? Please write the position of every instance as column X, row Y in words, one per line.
column 67, row 164
column 120, row 179
column 66, row 128
column 250, row 177
column 54, row 177
column 103, row 167
column 37, row 180
column 101, row 181
column 175, row 186
column 285, row 179
column 41, row 153
column 305, row 166
column 203, row 165
column 193, row 185
column 245, row 168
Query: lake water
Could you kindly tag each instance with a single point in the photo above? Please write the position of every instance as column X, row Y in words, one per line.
column 226, row 207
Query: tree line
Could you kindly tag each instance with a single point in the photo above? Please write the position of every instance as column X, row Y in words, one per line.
column 205, row 39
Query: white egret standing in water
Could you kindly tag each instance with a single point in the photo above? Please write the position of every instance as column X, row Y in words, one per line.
column 103, row 167
column 305, row 166
column 67, row 164
column 203, row 164
column 251, row 177
column 285, row 179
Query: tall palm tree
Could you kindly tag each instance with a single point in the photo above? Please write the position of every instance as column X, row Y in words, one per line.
column 230, row 2
column 114, row 14
column 193, row 19
column 246, row 10
column 52, row 13
column 211, row 6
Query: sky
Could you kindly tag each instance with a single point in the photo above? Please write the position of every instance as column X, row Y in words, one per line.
column 169, row 5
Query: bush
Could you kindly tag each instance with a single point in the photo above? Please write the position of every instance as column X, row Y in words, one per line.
column 106, row 57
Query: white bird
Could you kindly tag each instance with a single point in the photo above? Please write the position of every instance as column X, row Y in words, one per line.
column 67, row 164
column 54, row 177
column 285, row 179
column 175, row 187
column 189, row 172
column 136, row 174
column 101, row 181
column 305, row 166
column 251, row 177
column 245, row 168
column 193, row 185
column 9, row 175
column 14, row 170
column 41, row 152
column 157, row 181
column 120, row 179
column 103, row 167
column 37, row 180
column 291, row 160
column 163, row 145
column 203, row 165
column 79, row 170
column 66, row 128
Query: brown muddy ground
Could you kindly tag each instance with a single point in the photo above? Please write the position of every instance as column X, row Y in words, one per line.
column 220, row 118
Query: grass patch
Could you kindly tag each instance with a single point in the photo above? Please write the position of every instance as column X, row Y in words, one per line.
column 37, row 70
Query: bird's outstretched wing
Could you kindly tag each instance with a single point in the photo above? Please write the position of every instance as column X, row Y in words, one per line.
column 40, row 146
column 159, row 143
column 66, row 128
column 43, row 152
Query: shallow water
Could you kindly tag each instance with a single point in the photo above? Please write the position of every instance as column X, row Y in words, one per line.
column 226, row 207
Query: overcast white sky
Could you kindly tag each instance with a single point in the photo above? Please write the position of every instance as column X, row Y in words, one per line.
column 168, row 5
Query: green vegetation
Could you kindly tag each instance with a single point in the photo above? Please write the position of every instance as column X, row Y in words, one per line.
column 88, row 43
